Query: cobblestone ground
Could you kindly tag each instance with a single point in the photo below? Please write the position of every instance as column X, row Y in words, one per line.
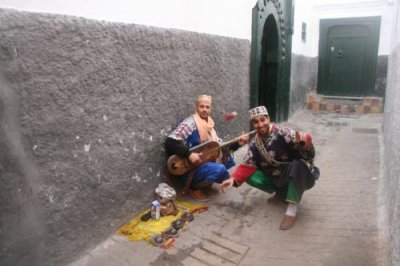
column 337, row 222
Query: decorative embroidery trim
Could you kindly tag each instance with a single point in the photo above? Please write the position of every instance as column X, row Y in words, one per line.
column 261, row 148
column 184, row 129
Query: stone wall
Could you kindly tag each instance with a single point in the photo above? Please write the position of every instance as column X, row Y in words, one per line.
column 381, row 76
column 391, row 183
column 84, row 109
column 303, row 80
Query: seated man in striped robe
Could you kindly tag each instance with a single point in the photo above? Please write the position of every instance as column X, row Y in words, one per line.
column 192, row 131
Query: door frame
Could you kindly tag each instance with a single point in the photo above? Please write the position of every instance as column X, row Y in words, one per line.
column 282, row 12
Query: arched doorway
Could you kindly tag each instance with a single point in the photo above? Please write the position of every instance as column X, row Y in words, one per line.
column 269, row 67
column 271, row 45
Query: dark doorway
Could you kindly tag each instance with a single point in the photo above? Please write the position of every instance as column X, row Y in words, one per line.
column 271, row 45
column 269, row 67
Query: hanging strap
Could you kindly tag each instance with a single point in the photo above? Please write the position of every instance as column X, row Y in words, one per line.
column 261, row 148
column 189, row 181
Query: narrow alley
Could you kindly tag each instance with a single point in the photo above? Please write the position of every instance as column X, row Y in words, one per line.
column 338, row 223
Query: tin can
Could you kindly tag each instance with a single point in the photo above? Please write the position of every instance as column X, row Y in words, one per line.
column 155, row 210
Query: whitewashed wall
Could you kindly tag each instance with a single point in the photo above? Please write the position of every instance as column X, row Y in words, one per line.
column 311, row 11
column 220, row 17
column 391, row 180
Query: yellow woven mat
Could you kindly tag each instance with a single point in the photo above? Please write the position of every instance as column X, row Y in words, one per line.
column 136, row 229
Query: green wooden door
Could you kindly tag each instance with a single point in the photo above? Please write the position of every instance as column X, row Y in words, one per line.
column 347, row 60
column 346, row 66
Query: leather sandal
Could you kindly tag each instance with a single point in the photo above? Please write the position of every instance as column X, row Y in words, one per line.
column 198, row 195
column 210, row 190
column 287, row 222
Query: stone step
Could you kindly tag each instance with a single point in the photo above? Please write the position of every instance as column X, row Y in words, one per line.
column 343, row 104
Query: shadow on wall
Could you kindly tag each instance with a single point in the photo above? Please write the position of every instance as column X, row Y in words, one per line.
column 22, row 223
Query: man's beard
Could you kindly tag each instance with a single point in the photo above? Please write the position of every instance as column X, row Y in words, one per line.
column 204, row 116
column 263, row 131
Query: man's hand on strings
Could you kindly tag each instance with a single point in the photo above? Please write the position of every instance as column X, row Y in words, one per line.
column 195, row 158
column 243, row 139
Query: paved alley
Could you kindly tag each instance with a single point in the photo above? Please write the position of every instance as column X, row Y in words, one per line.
column 338, row 220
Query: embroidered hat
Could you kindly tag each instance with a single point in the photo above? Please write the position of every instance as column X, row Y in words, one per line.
column 203, row 97
column 257, row 111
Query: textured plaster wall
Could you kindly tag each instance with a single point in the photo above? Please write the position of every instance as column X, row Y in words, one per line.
column 84, row 109
column 303, row 80
column 391, row 186
column 381, row 75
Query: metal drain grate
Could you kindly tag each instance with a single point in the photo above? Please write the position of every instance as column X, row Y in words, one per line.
column 218, row 251
column 337, row 124
column 319, row 141
column 365, row 130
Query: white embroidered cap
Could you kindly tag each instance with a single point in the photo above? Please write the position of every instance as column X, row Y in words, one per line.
column 203, row 97
column 257, row 111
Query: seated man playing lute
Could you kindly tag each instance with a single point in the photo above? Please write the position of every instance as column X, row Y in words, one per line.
column 191, row 132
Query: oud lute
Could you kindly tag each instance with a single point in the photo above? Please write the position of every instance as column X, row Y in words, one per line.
column 210, row 150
